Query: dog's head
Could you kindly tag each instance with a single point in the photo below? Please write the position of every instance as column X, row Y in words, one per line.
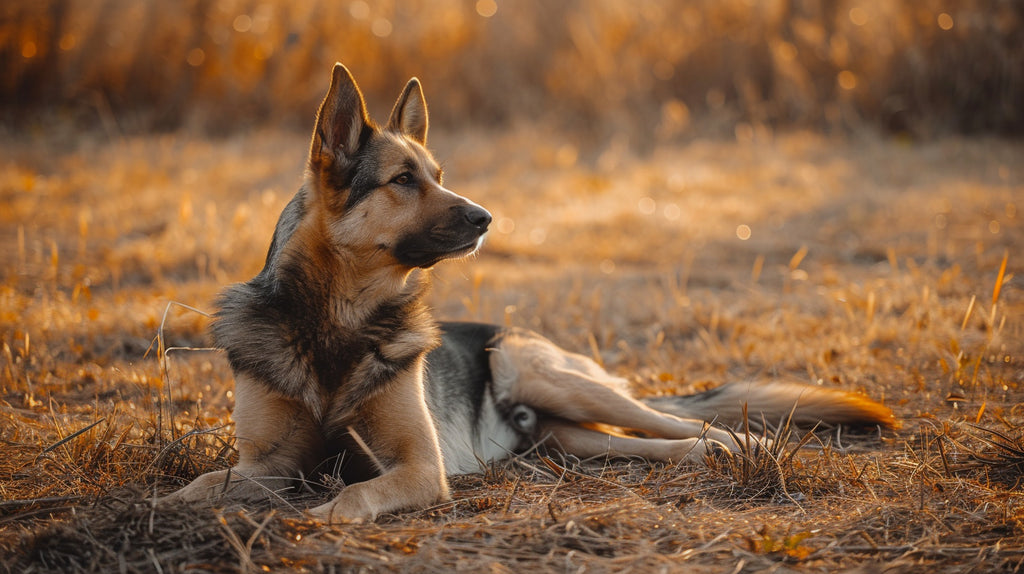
column 378, row 190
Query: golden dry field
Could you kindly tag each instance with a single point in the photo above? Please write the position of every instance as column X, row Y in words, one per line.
column 869, row 265
column 682, row 241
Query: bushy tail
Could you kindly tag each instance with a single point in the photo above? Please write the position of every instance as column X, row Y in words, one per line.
column 773, row 402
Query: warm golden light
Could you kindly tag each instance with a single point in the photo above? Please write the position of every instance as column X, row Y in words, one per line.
column 242, row 23
column 672, row 67
column 882, row 135
column 486, row 8
column 675, row 115
column 359, row 10
column 506, row 225
column 858, row 16
column 566, row 155
column 787, row 51
column 847, row 80
column 646, row 206
column 381, row 27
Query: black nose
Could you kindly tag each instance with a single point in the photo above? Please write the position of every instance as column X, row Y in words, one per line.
column 478, row 216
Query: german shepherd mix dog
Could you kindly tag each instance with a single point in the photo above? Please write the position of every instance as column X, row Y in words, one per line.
column 340, row 368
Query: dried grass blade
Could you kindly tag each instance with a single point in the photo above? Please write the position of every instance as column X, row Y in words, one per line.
column 557, row 469
column 71, row 437
column 244, row 556
column 999, row 278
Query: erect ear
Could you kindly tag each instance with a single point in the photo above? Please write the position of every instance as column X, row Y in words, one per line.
column 409, row 117
column 340, row 121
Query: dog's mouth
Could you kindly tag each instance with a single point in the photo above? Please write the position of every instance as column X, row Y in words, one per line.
column 427, row 254
column 460, row 234
column 467, row 249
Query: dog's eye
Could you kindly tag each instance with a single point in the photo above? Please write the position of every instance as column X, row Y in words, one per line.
column 403, row 179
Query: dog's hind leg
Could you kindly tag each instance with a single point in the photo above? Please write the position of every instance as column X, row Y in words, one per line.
column 531, row 370
column 570, row 438
column 276, row 441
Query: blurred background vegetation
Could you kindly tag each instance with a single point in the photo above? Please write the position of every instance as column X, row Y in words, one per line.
column 648, row 69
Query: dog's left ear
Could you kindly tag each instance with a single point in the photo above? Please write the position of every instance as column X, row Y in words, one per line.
column 409, row 116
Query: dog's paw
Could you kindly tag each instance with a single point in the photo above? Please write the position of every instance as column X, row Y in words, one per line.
column 205, row 488
column 701, row 450
column 349, row 506
column 171, row 499
column 333, row 512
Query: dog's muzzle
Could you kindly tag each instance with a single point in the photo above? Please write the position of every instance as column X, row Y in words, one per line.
column 459, row 234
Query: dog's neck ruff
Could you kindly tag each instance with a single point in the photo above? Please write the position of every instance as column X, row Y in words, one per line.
column 314, row 333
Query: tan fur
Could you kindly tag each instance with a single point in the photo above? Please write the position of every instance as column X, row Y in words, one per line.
column 584, row 410
column 777, row 402
column 574, row 388
column 585, row 442
column 274, row 436
column 397, row 426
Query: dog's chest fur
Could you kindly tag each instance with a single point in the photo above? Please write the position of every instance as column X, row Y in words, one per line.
column 293, row 337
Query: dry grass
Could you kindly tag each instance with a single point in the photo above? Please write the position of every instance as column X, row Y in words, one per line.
column 870, row 265
column 649, row 69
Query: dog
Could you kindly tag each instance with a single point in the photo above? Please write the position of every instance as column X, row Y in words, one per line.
column 339, row 366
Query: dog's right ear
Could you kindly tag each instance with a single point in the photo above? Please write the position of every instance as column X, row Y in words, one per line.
column 340, row 122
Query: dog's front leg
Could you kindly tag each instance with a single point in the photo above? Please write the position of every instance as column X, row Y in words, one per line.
column 409, row 486
column 400, row 435
column 276, row 440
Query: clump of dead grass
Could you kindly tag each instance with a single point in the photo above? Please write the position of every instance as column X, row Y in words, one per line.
column 765, row 467
column 985, row 453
